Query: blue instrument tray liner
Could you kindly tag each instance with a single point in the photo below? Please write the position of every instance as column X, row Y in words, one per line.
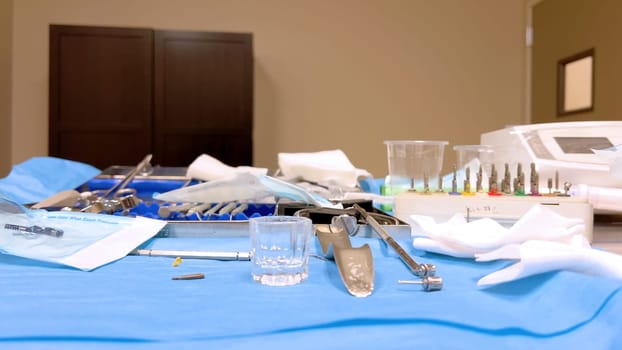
column 163, row 179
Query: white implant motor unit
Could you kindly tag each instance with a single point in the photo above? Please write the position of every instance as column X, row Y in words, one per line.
column 573, row 168
column 585, row 154
column 572, row 149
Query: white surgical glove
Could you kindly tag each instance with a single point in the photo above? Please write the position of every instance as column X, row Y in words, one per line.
column 535, row 257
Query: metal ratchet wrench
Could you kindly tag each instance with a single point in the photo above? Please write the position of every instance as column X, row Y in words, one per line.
column 420, row 270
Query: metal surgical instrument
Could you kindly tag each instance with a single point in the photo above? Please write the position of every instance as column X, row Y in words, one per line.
column 194, row 254
column 213, row 210
column 428, row 283
column 420, row 270
column 166, row 211
column 239, row 209
column 129, row 177
column 227, row 208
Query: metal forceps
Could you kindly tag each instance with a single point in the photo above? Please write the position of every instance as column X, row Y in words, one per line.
column 129, row 177
column 123, row 199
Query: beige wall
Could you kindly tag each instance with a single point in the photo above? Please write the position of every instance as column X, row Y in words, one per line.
column 328, row 73
column 6, row 20
column 563, row 28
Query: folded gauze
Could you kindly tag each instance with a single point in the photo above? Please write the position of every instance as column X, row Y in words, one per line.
column 463, row 239
column 537, row 256
column 208, row 168
column 325, row 167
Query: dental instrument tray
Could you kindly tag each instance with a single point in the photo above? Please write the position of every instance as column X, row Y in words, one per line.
column 135, row 198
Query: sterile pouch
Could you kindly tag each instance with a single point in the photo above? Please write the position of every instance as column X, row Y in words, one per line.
column 81, row 240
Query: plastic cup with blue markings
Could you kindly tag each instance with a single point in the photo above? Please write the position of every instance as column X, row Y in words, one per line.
column 280, row 249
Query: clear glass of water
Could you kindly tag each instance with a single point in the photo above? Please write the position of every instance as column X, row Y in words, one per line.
column 280, row 249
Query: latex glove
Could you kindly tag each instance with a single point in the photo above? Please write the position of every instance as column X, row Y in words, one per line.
column 459, row 238
column 325, row 167
column 537, row 257
column 208, row 168
column 456, row 237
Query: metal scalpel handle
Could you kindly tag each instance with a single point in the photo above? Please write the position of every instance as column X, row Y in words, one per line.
column 420, row 270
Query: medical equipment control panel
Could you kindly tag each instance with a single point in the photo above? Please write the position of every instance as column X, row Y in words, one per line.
column 575, row 149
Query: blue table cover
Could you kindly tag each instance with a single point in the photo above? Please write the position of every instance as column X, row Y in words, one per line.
column 134, row 304
column 41, row 177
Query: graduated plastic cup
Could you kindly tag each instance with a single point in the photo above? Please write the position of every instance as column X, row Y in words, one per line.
column 411, row 162
column 472, row 157
column 280, row 249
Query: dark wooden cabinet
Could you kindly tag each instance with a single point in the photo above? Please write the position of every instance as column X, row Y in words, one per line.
column 203, row 96
column 117, row 94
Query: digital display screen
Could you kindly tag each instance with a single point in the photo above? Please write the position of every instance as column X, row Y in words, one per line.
column 582, row 145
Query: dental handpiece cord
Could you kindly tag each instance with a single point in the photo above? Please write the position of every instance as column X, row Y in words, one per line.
column 194, row 254
column 420, row 270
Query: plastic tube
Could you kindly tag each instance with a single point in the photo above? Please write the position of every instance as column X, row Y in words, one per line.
column 601, row 198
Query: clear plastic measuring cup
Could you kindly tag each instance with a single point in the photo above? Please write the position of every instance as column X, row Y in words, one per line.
column 471, row 159
column 412, row 164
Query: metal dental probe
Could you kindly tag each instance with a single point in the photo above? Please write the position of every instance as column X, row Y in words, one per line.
column 166, row 211
column 214, row 209
column 194, row 254
column 239, row 209
column 198, row 210
column 420, row 270
column 227, row 208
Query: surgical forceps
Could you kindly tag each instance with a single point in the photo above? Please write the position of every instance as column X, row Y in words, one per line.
column 121, row 200
column 129, row 177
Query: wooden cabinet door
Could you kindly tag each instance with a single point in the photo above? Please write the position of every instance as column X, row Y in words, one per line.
column 101, row 94
column 203, row 97
column 117, row 94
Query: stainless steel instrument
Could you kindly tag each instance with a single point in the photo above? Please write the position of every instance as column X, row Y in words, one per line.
column 420, row 270
column 194, row 254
